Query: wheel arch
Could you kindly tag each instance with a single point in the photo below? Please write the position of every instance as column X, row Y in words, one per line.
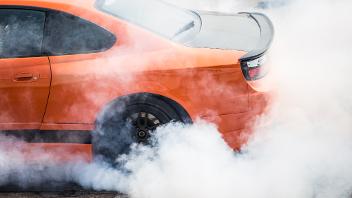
column 181, row 110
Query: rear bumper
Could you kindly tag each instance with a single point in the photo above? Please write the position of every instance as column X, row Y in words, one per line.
column 237, row 128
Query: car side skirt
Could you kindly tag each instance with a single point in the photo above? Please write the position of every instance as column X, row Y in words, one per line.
column 50, row 136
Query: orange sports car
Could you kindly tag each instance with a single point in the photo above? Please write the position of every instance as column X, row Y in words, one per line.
column 95, row 76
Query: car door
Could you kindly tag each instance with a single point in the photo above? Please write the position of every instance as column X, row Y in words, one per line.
column 75, row 47
column 24, row 72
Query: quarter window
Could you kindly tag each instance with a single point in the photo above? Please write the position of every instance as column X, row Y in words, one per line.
column 21, row 33
column 68, row 34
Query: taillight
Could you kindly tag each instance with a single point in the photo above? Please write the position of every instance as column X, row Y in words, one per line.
column 254, row 69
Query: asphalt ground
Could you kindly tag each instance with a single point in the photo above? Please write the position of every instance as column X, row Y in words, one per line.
column 55, row 191
column 79, row 194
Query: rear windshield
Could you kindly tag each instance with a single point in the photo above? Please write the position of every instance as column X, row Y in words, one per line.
column 157, row 16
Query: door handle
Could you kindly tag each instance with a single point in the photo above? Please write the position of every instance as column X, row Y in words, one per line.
column 25, row 77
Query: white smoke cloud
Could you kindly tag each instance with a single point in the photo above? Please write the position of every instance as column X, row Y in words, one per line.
column 303, row 150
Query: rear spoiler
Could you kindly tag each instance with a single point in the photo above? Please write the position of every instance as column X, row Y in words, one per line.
column 266, row 36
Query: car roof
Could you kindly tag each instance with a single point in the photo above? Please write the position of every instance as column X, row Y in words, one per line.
column 51, row 3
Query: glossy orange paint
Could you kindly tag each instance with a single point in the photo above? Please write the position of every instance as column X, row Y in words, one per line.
column 23, row 102
column 208, row 83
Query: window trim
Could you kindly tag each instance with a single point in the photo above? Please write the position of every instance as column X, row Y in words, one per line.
column 44, row 53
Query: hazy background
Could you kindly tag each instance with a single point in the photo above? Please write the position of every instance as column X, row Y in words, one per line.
column 304, row 151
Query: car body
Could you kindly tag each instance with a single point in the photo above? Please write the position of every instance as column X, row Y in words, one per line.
column 52, row 94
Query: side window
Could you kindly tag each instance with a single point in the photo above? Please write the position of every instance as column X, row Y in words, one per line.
column 67, row 34
column 21, row 33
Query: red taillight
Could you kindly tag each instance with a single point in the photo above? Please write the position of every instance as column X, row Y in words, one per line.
column 254, row 72
column 254, row 69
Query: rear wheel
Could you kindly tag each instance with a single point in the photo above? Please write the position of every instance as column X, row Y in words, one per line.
column 130, row 120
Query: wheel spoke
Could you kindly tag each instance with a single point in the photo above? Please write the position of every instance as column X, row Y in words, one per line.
column 144, row 124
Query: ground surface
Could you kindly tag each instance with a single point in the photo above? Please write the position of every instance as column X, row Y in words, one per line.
column 59, row 191
column 80, row 194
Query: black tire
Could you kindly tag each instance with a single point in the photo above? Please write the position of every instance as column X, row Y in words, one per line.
column 116, row 129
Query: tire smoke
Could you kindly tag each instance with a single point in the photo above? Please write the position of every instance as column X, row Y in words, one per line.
column 301, row 148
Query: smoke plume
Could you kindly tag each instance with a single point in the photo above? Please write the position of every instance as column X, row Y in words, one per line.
column 300, row 148
column 304, row 148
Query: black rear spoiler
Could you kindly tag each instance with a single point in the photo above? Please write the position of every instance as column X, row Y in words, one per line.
column 266, row 36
